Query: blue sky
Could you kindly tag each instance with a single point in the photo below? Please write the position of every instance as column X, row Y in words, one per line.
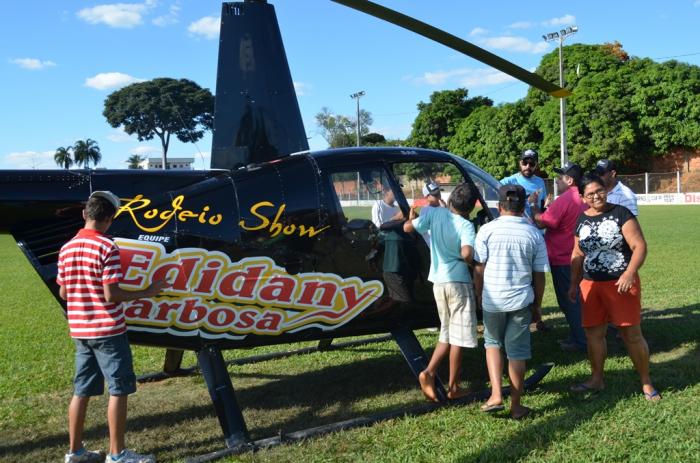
column 59, row 60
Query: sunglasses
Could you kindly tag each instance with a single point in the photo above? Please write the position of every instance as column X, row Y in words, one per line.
column 530, row 162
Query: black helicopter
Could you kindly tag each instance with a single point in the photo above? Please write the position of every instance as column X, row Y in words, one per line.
column 274, row 244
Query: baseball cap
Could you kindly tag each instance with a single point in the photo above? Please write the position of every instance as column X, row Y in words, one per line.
column 109, row 196
column 603, row 166
column 529, row 154
column 432, row 189
column 512, row 193
column 571, row 169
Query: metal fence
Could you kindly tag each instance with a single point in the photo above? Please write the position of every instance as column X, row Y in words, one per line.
column 648, row 183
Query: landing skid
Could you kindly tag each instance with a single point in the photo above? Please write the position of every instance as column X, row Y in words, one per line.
column 236, row 437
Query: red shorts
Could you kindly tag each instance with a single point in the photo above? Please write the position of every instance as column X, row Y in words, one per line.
column 602, row 304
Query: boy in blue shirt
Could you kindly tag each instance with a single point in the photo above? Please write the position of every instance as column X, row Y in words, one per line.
column 452, row 247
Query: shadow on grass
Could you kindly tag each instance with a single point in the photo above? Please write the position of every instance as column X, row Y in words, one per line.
column 664, row 332
column 335, row 393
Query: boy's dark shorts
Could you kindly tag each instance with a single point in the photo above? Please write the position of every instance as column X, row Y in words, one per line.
column 97, row 360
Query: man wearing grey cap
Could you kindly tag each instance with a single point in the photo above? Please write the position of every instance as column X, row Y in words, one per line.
column 618, row 193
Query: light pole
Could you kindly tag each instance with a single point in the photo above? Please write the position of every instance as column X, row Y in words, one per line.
column 560, row 36
column 357, row 96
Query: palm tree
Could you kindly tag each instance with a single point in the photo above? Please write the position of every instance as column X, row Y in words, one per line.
column 62, row 157
column 134, row 161
column 85, row 151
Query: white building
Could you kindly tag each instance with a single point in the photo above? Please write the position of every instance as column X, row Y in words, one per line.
column 173, row 163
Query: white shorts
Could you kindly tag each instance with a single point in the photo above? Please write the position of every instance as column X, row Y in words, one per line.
column 456, row 305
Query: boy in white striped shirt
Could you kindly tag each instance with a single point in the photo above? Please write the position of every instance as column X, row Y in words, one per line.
column 89, row 271
column 509, row 256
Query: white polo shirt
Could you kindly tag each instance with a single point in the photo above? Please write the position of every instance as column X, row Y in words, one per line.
column 512, row 249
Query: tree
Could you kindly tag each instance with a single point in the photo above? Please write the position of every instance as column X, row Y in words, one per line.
column 63, row 157
column 162, row 107
column 341, row 131
column 373, row 138
column 85, row 151
column 437, row 121
column 134, row 161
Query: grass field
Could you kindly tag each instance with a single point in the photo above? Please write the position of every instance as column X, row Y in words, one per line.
column 174, row 419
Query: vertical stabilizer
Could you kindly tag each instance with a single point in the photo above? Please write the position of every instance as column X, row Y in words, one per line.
column 257, row 115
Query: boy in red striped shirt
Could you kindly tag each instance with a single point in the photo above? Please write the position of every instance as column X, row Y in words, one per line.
column 89, row 272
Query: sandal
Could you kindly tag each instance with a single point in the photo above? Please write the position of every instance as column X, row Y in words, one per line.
column 652, row 396
column 583, row 388
column 490, row 408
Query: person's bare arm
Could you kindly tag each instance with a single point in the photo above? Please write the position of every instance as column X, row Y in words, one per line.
column 62, row 292
column 632, row 233
column 479, row 281
column 408, row 225
column 113, row 293
column 577, row 257
column 467, row 253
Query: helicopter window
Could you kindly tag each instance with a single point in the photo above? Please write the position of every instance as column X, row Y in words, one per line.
column 365, row 195
column 415, row 176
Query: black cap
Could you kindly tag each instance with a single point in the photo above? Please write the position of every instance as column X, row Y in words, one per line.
column 571, row 169
column 512, row 193
column 529, row 154
column 603, row 166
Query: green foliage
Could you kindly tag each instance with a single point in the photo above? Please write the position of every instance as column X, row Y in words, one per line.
column 134, row 161
column 437, row 121
column 341, row 131
column 373, row 139
column 85, row 151
column 162, row 107
column 494, row 137
column 62, row 157
column 625, row 109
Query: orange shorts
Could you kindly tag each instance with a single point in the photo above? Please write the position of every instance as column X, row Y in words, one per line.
column 602, row 304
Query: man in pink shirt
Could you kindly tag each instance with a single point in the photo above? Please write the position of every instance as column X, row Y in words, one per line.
column 560, row 221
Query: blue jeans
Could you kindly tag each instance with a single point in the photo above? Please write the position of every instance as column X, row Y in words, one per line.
column 561, row 276
column 100, row 359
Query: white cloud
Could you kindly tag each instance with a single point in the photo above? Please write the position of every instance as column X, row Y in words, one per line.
column 513, row 43
column 144, row 150
column 521, row 25
column 119, row 136
column 169, row 18
column 108, row 80
column 207, row 27
column 31, row 159
column 466, row 77
column 121, row 15
column 32, row 63
column 301, row 88
column 478, row 31
column 565, row 20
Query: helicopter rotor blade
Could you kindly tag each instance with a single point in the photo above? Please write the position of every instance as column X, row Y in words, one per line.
column 454, row 42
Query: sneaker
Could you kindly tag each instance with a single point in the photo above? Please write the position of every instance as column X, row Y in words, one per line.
column 87, row 456
column 129, row 456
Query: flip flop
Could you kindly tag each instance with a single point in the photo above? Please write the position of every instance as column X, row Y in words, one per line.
column 525, row 414
column 652, row 396
column 582, row 388
column 486, row 408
